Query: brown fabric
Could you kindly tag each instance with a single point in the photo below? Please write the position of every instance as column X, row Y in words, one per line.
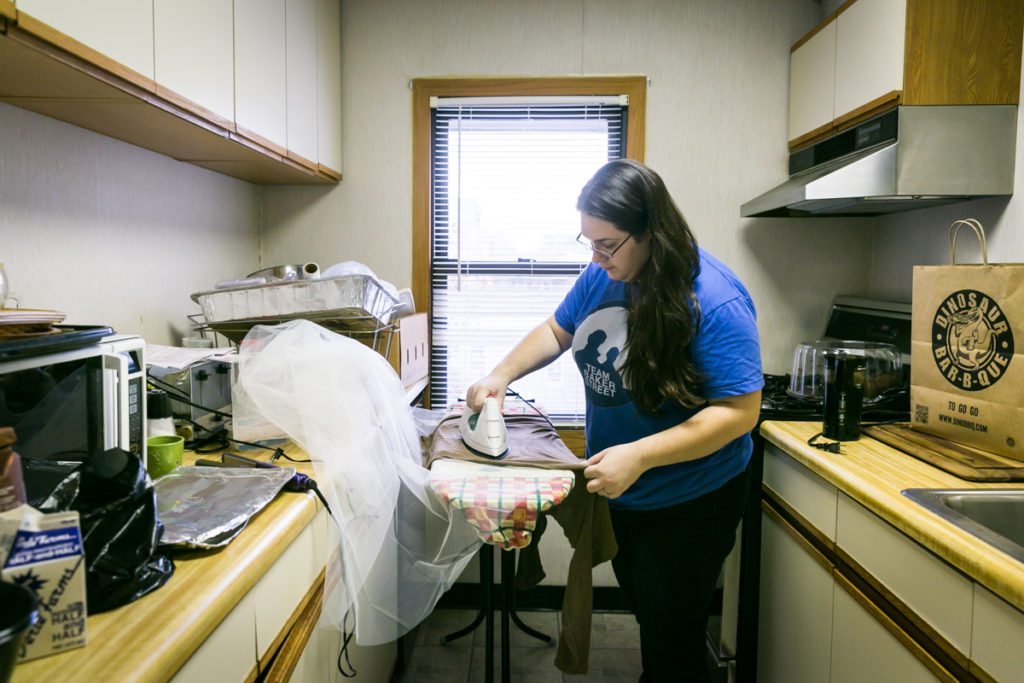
column 587, row 525
column 583, row 516
column 532, row 442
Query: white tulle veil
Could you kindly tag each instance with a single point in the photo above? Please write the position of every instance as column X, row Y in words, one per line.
column 398, row 545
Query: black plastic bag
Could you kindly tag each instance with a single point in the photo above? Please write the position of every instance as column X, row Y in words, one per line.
column 120, row 530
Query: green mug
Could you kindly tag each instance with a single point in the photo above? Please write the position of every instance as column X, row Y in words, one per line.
column 163, row 454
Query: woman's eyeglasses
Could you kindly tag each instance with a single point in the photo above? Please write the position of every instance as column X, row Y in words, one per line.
column 598, row 250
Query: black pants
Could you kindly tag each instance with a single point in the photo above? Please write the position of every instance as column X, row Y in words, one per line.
column 667, row 565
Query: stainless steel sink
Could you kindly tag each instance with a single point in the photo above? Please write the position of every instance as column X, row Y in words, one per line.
column 996, row 516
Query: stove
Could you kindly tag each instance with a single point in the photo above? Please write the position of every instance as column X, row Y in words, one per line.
column 778, row 404
column 732, row 629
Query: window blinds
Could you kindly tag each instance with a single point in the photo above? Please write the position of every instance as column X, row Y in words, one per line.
column 506, row 173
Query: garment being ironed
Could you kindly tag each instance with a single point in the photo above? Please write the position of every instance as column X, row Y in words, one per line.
column 504, row 504
column 583, row 516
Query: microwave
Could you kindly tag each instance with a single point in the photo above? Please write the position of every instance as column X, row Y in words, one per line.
column 72, row 405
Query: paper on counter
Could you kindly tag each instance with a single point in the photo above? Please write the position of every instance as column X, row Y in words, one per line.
column 181, row 358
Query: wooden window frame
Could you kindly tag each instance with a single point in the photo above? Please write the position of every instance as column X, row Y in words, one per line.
column 425, row 88
column 635, row 87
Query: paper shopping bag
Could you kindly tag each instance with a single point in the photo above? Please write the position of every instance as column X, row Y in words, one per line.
column 966, row 360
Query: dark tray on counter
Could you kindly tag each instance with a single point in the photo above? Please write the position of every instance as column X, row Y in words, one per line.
column 65, row 338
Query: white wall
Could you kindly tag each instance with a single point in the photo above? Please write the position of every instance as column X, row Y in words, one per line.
column 903, row 240
column 113, row 234
column 716, row 131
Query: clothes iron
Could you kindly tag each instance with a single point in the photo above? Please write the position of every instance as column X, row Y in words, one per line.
column 484, row 432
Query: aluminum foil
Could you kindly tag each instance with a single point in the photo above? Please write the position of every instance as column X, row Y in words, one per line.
column 206, row 507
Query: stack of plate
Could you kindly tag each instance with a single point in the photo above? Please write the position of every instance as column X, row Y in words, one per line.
column 20, row 322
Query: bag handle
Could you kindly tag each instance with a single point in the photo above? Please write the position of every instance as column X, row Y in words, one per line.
column 978, row 231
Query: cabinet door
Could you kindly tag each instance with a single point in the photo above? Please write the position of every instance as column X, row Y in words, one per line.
column 870, row 38
column 998, row 632
column 260, row 56
column 812, row 83
column 328, row 78
column 795, row 618
column 119, row 29
column 808, row 494
column 865, row 650
column 302, row 78
column 937, row 593
column 195, row 55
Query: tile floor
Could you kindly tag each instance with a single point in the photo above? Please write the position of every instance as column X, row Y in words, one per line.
column 614, row 650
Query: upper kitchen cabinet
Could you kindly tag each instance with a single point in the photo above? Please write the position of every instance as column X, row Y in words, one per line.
column 194, row 56
column 301, row 23
column 914, row 52
column 869, row 55
column 328, row 77
column 812, row 81
column 260, row 72
column 115, row 33
column 247, row 88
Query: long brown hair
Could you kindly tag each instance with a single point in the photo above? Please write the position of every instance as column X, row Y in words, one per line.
column 664, row 313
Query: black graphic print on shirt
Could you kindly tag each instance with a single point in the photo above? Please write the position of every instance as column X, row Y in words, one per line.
column 598, row 347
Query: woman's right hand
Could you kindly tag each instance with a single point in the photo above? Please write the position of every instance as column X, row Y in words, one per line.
column 491, row 385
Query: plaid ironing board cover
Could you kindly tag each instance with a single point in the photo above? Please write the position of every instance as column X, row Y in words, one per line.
column 501, row 502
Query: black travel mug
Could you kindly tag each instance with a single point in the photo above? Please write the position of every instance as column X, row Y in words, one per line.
column 844, row 395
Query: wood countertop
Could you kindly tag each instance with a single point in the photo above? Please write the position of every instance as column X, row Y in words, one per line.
column 151, row 638
column 873, row 474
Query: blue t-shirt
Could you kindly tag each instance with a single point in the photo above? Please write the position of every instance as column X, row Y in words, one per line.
column 725, row 351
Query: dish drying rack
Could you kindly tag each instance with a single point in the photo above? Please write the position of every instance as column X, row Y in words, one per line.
column 352, row 305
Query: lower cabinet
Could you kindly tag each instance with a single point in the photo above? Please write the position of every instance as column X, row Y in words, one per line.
column 274, row 630
column 998, row 632
column 795, row 617
column 847, row 597
column 864, row 649
column 814, row 625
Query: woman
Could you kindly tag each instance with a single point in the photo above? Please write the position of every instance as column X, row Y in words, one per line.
column 665, row 337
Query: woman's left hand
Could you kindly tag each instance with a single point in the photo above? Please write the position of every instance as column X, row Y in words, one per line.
column 613, row 470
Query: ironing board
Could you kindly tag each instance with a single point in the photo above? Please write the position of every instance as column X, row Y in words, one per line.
column 503, row 503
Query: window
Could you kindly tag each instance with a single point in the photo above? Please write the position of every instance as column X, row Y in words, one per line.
column 503, row 174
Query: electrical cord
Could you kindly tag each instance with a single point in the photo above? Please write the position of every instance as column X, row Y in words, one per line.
column 529, row 402
column 178, row 397
column 347, row 635
column 827, row 446
column 509, row 391
column 224, row 439
column 833, row 446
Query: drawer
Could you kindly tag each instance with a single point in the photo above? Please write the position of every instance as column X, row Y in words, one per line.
column 936, row 592
column 997, row 636
column 809, row 495
column 229, row 653
column 284, row 585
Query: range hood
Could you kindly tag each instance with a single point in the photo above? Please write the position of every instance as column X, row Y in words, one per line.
column 908, row 158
